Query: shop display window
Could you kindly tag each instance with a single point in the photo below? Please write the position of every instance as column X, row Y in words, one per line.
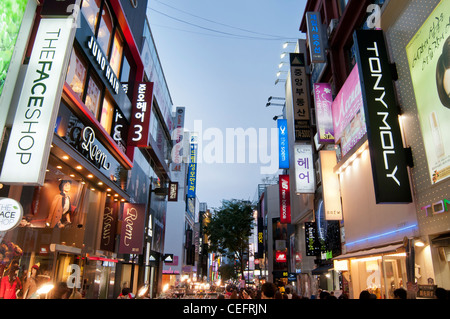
column 93, row 96
column 105, row 29
column 107, row 114
column 116, row 54
column 76, row 73
column 90, row 9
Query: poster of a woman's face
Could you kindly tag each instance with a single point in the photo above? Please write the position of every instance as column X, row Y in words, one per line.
column 443, row 74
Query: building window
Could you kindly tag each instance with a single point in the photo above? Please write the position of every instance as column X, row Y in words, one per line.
column 93, row 96
column 90, row 9
column 107, row 115
column 76, row 73
column 117, row 52
column 105, row 29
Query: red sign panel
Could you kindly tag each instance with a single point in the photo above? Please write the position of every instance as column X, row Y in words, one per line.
column 132, row 232
column 280, row 257
column 285, row 199
column 140, row 115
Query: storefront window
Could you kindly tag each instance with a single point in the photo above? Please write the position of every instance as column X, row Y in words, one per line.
column 107, row 115
column 105, row 29
column 116, row 54
column 76, row 73
column 90, row 9
column 93, row 96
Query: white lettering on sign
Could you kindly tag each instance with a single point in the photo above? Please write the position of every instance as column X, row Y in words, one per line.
column 103, row 63
column 132, row 215
column 387, row 141
column 94, row 153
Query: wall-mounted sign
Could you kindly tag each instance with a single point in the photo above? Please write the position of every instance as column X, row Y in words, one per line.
column 315, row 40
column 11, row 213
column 330, row 186
column 177, row 135
column 348, row 113
column 285, row 199
column 387, row 155
column 102, row 62
column 32, row 130
column 304, row 169
column 283, row 144
column 173, row 192
column 427, row 52
column 192, row 172
column 132, row 232
column 140, row 114
column 95, row 153
column 168, row 258
column 107, row 241
column 435, row 208
column 324, row 119
column 302, row 127
column 311, row 239
column 280, row 256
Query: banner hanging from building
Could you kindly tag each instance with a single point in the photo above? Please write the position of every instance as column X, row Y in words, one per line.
column 285, row 199
column 324, row 118
column 427, row 52
column 132, row 231
column 304, row 169
column 192, row 172
column 387, row 155
column 283, row 144
column 34, row 122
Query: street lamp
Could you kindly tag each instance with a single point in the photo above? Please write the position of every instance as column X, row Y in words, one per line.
column 277, row 116
column 285, row 44
column 270, row 103
column 275, row 98
column 279, row 80
column 279, row 73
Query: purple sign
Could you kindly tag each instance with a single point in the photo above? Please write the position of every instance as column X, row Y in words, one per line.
column 324, row 119
column 348, row 113
column 132, row 232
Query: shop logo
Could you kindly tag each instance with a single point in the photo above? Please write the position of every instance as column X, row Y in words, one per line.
column 132, row 215
column 11, row 213
column 94, row 153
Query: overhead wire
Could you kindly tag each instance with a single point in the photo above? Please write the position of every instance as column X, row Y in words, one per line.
column 239, row 36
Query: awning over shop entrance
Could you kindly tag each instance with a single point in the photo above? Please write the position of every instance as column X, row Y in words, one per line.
column 322, row 269
column 373, row 251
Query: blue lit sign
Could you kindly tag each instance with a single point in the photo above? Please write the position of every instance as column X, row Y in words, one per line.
column 316, row 43
column 283, row 144
column 376, row 236
column 192, row 172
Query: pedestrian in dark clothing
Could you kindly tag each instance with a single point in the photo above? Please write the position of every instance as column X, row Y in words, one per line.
column 399, row 293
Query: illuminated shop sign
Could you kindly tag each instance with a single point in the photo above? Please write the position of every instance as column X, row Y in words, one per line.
column 283, row 144
column 192, row 170
column 280, row 257
column 387, row 154
column 311, row 239
column 140, row 115
column 330, row 186
column 302, row 127
column 324, row 119
column 11, row 213
column 173, row 192
column 436, row 208
column 29, row 144
column 102, row 62
column 304, row 169
column 107, row 241
column 94, row 153
column 315, row 41
column 285, row 199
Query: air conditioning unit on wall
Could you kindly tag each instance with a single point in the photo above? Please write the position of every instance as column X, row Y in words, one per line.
column 332, row 27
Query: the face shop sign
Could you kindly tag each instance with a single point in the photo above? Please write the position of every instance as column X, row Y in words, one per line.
column 103, row 64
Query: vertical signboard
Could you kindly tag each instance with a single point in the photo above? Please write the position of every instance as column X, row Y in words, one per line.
column 315, row 40
column 107, row 241
column 348, row 113
column 192, row 167
column 173, row 192
column 283, row 144
column 311, row 238
column 302, row 127
column 34, row 122
column 324, row 119
column 285, row 199
column 260, row 249
column 132, row 231
column 140, row 114
column 178, row 137
column 304, row 169
column 330, row 186
column 427, row 54
column 387, row 155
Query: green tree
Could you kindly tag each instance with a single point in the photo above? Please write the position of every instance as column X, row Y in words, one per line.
column 229, row 228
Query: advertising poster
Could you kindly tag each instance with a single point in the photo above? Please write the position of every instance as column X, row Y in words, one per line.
column 324, row 119
column 428, row 55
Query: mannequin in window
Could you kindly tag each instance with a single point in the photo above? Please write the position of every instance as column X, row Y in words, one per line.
column 30, row 285
column 59, row 215
column 10, row 284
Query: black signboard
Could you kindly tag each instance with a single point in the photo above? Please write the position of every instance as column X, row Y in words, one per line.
column 311, row 239
column 387, row 154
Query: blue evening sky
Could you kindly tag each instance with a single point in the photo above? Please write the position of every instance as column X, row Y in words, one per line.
column 224, row 74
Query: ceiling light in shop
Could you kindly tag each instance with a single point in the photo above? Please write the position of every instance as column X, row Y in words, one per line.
column 100, row 183
column 90, row 176
column 65, row 157
column 108, row 189
column 79, row 167
column 93, row 189
column 59, row 167
column 72, row 175
column 116, row 195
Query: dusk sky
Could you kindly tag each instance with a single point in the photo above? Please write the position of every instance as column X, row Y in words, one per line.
column 220, row 60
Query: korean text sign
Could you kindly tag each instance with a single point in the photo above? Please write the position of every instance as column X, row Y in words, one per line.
column 304, row 169
column 316, row 43
column 140, row 115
